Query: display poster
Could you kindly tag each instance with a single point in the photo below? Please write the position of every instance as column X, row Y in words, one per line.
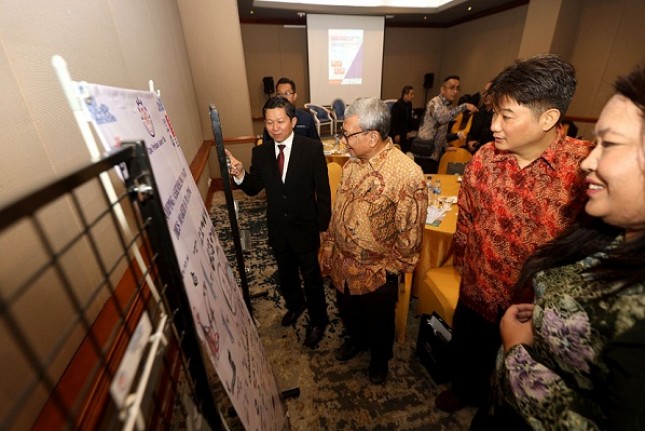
column 222, row 320
column 345, row 56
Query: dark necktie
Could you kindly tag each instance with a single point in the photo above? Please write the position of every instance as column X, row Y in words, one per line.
column 281, row 159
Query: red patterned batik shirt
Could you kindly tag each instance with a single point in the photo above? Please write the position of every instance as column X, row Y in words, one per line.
column 506, row 212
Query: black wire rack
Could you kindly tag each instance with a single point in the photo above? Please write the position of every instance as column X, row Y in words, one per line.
column 75, row 285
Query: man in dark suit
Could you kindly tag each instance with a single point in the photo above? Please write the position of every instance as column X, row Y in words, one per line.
column 306, row 126
column 401, row 128
column 299, row 208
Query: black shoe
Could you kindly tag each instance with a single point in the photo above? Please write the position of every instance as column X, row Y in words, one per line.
column 292, row 316
column 348, row 350
column 378, row 374
column 314, row 335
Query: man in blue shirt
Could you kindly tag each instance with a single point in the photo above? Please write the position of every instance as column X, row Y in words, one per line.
column 305, row 126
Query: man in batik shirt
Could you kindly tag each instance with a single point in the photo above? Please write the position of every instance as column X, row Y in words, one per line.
column 436, row 119
column 375, row 233
column 518, row 192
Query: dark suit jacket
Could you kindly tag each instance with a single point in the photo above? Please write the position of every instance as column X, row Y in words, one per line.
column 301, row 207
column 306, row 126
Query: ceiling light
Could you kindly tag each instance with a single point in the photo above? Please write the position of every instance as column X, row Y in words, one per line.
column 301, row 14
column 470, row 8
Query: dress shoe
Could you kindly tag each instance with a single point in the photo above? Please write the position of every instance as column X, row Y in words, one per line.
column 348, row 350
column 377, row 374
column 291, row 317
column 314, row 335
column 448, row 402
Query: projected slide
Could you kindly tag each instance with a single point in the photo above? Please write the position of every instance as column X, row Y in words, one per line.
column 345, row 57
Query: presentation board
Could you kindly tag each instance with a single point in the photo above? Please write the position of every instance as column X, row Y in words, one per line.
column 223, row 322
column 345, row 57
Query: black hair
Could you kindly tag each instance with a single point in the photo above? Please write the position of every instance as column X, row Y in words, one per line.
column 449, row 77
column 279, row 102
column 284, row 80
column 624, row 264
column 541, row 82
column 406, row 90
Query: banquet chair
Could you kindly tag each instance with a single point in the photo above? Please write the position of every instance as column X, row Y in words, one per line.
column 322, row 117
column 389, row 103
column 454, row 161
column 334, row 171
column 402, row 307
column 440, row 293
column 463, row 121
column 338, row 112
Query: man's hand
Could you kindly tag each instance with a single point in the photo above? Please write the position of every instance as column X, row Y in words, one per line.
column 516, row 326
column 472, row 108
column 237, row 169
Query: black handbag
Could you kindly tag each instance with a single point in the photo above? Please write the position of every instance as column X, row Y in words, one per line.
column 422, row 147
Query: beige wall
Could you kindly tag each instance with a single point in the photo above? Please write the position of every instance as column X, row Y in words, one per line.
column 409, row 54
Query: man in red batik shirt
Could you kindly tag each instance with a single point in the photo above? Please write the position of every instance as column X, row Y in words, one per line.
column 518, row 192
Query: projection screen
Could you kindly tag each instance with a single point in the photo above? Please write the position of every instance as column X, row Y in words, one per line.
column 345, row 54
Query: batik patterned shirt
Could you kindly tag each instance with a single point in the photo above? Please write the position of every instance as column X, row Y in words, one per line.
column 377, row 220
column 435, row 123
column 586, row 367
column 506, row 212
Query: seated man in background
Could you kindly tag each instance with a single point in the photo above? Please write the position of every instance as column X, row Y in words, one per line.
column 518, row 193
column 401, row 128
column 375, row 233
column 480, row 132
column 305, row 126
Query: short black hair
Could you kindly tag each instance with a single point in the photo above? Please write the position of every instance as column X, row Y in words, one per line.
column 449, row 77
column 406, row 90
column 541, row 82
column 279, row 102
column 284, row 80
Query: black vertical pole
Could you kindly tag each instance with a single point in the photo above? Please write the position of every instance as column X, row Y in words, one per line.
column 228, row 192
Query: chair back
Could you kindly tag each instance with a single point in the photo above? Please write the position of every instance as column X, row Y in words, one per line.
column 462, row 124
column 322, row 117
column 334, row 171
column 389, row 103
column 454, row 162
column 338, row 113
column 338, row 108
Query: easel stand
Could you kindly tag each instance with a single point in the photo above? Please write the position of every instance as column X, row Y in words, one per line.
column 228, row 192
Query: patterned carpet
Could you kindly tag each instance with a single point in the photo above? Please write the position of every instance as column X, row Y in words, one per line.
column 333, row 395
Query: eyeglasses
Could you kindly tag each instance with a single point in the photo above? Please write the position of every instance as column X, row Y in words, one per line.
column 346, row 136
column 287, row 94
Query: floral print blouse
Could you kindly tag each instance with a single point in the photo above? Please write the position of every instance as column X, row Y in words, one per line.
column 586, row 367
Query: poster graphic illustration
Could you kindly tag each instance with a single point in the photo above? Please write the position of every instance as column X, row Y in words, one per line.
column 345, row 56
column 219, row 312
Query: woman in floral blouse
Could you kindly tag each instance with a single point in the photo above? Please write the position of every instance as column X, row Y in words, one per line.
column 575, row 358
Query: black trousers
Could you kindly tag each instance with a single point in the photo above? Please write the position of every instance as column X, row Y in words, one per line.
column 290, row 266
column 475, row 343
column 369, row 319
